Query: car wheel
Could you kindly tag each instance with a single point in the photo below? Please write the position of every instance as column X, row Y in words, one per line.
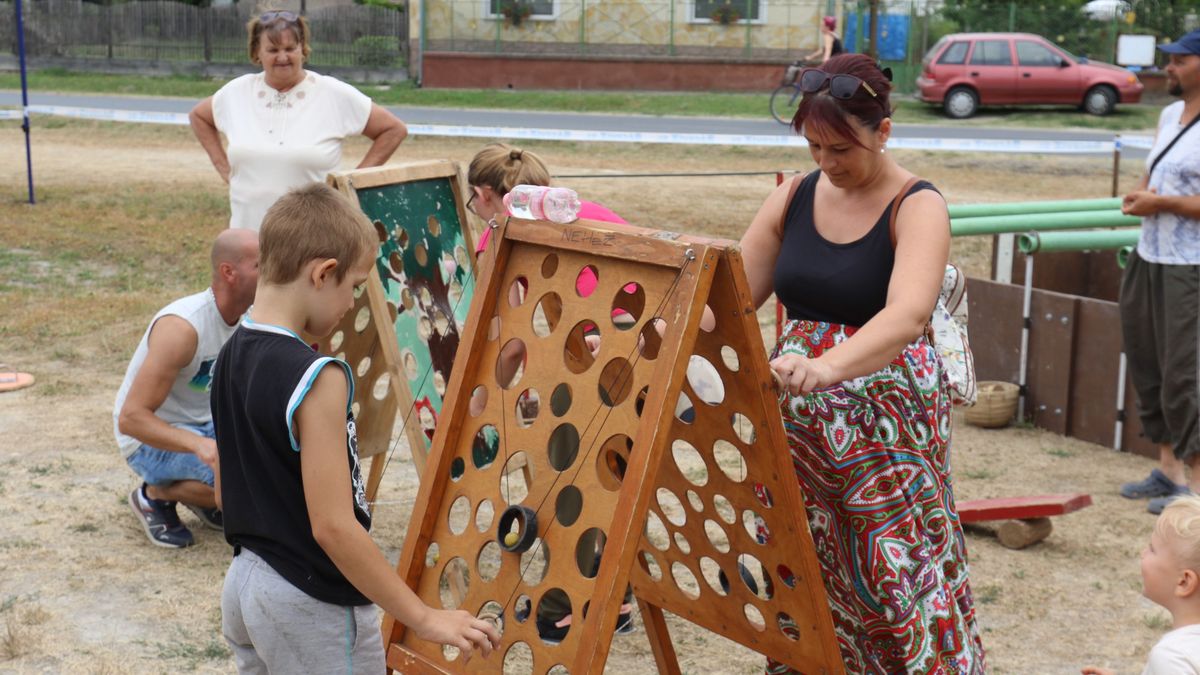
column 960, row 103
column 1100, row 100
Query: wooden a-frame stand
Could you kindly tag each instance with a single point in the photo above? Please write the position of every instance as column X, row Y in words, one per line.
column 418, row 211
column 649, row 437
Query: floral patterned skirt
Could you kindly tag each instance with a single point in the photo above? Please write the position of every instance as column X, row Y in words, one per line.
column 872, row 458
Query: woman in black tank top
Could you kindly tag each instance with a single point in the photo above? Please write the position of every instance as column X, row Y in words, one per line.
column 865, row 406
column 831, row 44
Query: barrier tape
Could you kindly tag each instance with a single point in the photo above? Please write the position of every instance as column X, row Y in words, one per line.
column 106, row 115
column 996, row 145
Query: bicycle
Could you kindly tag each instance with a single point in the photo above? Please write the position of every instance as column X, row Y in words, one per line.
column 786, row 97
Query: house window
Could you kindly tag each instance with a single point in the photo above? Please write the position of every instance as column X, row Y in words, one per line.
column 709, row 10
column 542, row 9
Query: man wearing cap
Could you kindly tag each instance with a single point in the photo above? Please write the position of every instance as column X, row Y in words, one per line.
column 1160, row 292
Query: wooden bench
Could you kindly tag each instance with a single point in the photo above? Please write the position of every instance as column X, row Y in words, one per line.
column 1026, row 519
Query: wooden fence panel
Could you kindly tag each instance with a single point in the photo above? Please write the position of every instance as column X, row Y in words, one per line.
column 1074, row 360
column 165, row 30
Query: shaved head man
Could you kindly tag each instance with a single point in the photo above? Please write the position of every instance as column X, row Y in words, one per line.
column 161, row 418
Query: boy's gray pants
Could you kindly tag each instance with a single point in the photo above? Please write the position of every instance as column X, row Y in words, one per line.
column 274, row 627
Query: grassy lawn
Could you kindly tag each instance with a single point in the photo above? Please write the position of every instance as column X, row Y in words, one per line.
column 1126, row 117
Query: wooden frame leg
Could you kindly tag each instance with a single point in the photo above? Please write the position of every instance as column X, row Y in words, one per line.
column 660, row 638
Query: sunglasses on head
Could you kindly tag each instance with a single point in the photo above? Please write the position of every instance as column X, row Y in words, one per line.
column 268, row 17
column 841, row 85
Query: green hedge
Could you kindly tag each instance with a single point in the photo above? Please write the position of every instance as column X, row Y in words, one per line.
column 376, row 51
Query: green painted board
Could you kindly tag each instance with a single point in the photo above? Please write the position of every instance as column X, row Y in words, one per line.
column 425, row 266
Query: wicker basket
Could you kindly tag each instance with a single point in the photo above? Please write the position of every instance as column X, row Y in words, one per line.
column 995, row 405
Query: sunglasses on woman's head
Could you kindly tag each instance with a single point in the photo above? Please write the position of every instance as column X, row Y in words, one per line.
column 841, row 85
column 268, row 17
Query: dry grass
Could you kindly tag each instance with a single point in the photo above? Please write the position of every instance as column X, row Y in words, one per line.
column 21, row 634
column 122, row 227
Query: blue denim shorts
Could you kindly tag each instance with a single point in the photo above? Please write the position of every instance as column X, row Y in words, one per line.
column 160, row 467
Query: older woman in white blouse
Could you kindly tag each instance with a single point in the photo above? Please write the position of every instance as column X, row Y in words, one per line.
column 285, row 125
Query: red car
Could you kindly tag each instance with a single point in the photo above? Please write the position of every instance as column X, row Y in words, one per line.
column 966, row 70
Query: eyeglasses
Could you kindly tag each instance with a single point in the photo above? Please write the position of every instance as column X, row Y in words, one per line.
column 471, row 199
column 268, row 17
column 841, row 85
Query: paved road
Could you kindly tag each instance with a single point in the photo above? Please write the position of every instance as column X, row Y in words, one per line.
column 581, row 121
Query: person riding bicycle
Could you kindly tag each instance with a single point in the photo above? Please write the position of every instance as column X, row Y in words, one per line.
column 831, row 44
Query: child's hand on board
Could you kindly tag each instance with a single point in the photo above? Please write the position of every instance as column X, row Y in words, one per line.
column 1097, row 670
column 459, row 629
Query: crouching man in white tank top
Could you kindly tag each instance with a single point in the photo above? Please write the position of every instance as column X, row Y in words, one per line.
column 161, row 418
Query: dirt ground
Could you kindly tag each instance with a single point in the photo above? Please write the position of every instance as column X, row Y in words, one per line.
column 125, row 216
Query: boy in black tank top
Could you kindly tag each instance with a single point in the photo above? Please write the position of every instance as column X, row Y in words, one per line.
column 298, row 594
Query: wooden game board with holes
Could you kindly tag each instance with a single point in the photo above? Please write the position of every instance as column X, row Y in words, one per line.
column 589, row 412
column 422, row 283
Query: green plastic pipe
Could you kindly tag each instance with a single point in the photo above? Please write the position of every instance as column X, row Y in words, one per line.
column 1012, row 208
column 1123, row 254
column 1024, row 222
column 1092, row 240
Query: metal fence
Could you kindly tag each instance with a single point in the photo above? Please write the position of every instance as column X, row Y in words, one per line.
column 733, row 29
column 779, row 29
column 161, row 30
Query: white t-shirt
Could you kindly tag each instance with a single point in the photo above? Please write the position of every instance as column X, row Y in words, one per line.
column 1178, row 652
column 188, row 400
column 282, row 140
column 1169, row 238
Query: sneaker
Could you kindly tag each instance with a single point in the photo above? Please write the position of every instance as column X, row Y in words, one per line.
column 160, row 520
column 210, row 517
column 1157, row 504
column 1155, row 485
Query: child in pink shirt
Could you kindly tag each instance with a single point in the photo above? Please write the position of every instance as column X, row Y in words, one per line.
column 498, row 168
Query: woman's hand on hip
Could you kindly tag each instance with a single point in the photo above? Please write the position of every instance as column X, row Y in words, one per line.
column 801, row 375
column 204, row 126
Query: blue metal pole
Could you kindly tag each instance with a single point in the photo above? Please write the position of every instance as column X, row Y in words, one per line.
column 24, row 100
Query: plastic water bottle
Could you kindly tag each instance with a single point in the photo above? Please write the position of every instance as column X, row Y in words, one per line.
column 538, row 202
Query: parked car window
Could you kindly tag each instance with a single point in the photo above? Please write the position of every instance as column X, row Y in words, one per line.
column 955, row 54
column 932, row 52
column 991, row 53
column 1033, row 54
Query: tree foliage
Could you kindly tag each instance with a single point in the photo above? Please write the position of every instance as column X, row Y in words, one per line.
column 1065, row 22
